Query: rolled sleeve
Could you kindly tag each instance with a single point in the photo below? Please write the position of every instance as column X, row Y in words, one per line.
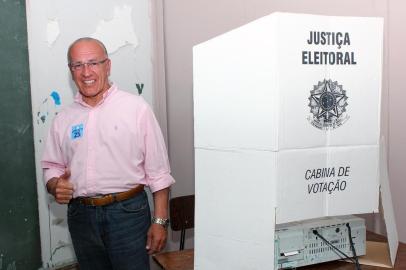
column 156, row 163
column 51, row 170
column 52, row 161
column 161, row 182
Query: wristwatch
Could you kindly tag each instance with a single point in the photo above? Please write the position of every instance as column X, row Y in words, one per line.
column 161, row 221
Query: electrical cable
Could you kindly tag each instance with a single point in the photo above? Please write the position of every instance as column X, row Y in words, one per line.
column 334, row 247
column 358, row 267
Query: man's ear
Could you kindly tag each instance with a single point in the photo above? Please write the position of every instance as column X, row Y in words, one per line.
column 108, row 66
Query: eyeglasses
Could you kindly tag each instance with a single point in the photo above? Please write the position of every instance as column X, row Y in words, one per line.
column 91, row 64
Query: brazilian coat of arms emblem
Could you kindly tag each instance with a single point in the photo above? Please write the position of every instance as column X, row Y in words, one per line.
column 328, row 102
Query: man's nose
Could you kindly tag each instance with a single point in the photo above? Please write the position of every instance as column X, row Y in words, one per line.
column 86, row 70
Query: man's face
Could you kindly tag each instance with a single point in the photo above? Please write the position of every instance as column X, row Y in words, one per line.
column 91, row 79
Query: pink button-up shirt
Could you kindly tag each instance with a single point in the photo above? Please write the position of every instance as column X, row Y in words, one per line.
column 108, row 148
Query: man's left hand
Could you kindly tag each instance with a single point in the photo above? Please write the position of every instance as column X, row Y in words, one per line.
column 156, row 238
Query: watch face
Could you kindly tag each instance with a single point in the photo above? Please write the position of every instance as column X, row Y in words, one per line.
column 161, row 221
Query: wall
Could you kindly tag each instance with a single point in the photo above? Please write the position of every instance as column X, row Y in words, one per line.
column 397, row 111
column 19, row 226
column 188, row 23
column 130, row 30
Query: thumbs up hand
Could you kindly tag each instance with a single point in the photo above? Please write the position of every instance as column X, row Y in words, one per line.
column 61, row 188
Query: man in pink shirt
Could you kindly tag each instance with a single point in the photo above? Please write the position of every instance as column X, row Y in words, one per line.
column 100, row 153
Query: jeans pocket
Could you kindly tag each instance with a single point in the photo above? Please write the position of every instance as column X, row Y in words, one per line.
column 134, row 205
column 73, row 209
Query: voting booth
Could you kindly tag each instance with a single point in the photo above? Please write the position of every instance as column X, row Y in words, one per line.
column 287, row 128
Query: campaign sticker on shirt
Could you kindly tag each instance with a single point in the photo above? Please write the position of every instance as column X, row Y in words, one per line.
column 77, row 131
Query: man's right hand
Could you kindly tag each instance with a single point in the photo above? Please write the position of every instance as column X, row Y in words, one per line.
column 61, row 188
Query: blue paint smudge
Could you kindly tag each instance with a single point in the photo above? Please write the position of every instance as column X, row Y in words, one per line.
column 56, row 97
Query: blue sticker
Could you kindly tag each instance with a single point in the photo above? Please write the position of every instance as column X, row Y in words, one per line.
column 77, row 131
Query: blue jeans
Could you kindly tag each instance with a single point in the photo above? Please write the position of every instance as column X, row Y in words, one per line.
column 112, row 236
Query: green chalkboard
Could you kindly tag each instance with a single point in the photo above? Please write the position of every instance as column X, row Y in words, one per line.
column 19, row 226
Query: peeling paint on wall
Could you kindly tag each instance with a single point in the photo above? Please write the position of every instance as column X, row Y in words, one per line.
column 57, row 221
column 52, row 31
column 117, row 32
column 61, row 244
column 55, row 96
column 48, row 108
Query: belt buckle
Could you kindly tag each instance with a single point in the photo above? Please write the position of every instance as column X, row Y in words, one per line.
column 100, row 198
column 109, row 199
column 113, row 197
column 91, row 200
column 105, row 199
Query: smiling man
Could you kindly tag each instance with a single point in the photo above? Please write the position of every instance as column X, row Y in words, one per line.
column 100, row 153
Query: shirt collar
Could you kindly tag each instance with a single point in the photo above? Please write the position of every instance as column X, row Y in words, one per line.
column 79, row 98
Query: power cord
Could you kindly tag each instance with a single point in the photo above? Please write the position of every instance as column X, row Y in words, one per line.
column 352, row 247
column 315, row 232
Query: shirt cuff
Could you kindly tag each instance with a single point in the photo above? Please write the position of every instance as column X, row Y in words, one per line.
column 50, row 173
column 157, row 183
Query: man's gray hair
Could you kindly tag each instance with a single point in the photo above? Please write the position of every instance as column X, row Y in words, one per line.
column 86, row 39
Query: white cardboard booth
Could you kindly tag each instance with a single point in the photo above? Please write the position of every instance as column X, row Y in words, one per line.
column 287, row 128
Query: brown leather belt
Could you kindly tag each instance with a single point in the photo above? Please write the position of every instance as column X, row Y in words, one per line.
column 110, row 198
